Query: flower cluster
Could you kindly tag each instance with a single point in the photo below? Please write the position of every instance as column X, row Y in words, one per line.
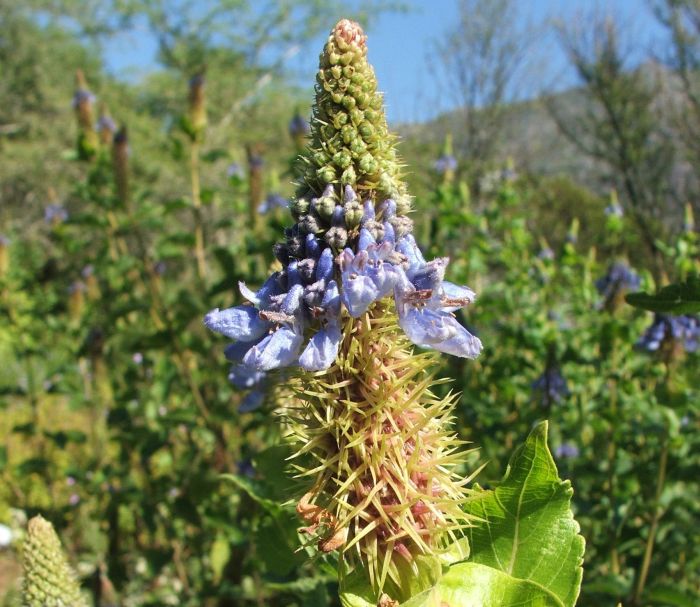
column 298, row 126
column 618, row 280
column 445, row 163
column 679, row 330
column 341, row 256
column 552, row 386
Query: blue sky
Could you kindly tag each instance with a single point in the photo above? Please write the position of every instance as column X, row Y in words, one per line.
column 401, row 46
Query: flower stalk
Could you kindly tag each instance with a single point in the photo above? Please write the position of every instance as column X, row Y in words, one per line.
column 353, row 297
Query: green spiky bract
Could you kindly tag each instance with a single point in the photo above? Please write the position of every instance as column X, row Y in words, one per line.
column 49, row 580
column 378, row 445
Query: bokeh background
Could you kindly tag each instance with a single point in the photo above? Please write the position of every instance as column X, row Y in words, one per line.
column 147, row 156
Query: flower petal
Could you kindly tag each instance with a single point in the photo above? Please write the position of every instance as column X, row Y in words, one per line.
column 242, row 376
column 358, row 293
column 277, row 350
column 439, row 331
column 324, row 268
column 241, row 323
column 322, row 349
column 252, row 401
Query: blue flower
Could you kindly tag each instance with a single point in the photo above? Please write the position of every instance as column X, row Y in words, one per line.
column 298, row 126
column 82, row 96
column 445, row 163
column 681, row 330
column 295, row 317
column 235, row 171
column 55, row 213
column 567, row 451
column 614, row 210
column 552, row 386
column 618, row 279
column 273, row 201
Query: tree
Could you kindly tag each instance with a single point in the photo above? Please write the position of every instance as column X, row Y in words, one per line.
column 682, row 20
column 617, row 123
column 482, row 58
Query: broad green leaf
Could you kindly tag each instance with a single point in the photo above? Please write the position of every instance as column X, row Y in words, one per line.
column 528, row 531
column 475, row 585
column 680, row 298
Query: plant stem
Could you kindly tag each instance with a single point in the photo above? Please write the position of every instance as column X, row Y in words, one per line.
column 197, row 202
column 660, row 480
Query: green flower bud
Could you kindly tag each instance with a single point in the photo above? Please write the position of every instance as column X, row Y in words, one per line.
column 325, row 205
column 342, row 159
column 349, row 102
column 368, row 164
column 308, row 224
column 326, row 174
column 48, row 579
column 349, row 176
column 353, row 214
column 349, row 133
column 298, row 207
column 337, row 238
column 357, row 116
column 366, row 130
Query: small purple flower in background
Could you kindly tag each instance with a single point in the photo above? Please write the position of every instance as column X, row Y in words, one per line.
column 672, row 332
column 235, row 171
column 298, row 126
column 74, row 499
column 273, row 201
column 160, row 268
column 255, row 161
column 551, row 386
column 70, row 481
column 55, row 214
column 137, row 358
column 614, row 210
column 82, row 97
column 567, row 451
column 445, row 163
column 618, row 280
column 546, row 254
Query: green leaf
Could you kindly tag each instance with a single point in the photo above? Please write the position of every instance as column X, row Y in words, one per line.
column 528, row 531
column 486, row 587
column 680, row 298
column 219, row 556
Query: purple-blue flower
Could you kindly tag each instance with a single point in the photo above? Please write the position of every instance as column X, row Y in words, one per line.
column 82, row 96
column 295, row 318
column 235, row 171
column 618, row 279
column 567, row 451
column 273, row 201
column 551, row 386
column 682, row 330
column 298, row 126
column 445, row 163
column 55, row 213
column 614, row 210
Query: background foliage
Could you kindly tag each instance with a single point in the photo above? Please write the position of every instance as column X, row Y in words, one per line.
column 117, row 421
